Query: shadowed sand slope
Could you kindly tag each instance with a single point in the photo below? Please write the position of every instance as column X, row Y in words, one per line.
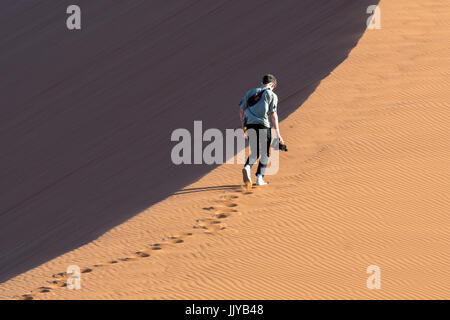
column 86, row 116
column 365, row 182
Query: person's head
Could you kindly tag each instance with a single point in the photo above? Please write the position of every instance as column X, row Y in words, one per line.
column 269, row 81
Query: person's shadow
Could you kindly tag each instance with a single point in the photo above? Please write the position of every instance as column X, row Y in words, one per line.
column 87, row 116
column 183, row 191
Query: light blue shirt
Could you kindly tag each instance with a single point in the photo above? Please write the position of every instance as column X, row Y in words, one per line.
column 259, row 113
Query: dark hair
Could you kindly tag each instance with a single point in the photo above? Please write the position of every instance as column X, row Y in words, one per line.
column 268, row 78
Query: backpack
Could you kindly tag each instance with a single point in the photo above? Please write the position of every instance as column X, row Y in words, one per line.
column 255, row 98
column 251, row 102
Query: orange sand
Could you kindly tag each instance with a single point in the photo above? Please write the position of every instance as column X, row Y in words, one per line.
column 365, row 182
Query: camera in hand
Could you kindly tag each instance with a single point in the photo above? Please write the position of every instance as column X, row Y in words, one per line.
column 283, row 147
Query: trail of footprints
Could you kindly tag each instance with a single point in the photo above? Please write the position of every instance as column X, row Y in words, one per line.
column 224, row 208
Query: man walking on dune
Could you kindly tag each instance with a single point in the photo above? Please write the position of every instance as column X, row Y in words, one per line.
column 256, row 107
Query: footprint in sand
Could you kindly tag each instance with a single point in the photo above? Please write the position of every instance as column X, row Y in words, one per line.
column 227, row 203
column 60, row 275
column 226, row 210
column 142, row 254
column 229, row 197
column 44, row 289
column 246, row 189
column 128, row 259
column 145, row 253
column 223, row 215
column 210, row 225
column 178, row 238
column 175, row 239
column 60, row 283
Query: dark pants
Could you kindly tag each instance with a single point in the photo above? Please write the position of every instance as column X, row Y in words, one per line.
column 260, row 138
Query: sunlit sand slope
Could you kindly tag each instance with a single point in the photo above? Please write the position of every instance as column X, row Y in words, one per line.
column 365, row 182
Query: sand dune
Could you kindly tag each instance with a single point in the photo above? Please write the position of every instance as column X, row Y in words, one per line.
column 365, row 182
column 87, row 116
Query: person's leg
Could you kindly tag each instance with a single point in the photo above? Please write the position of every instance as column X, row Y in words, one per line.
column 264, row 147
column 253, row 139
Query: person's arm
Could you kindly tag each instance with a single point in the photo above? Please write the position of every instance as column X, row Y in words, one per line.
column 242, row 107
column 274, row 119
column 274, row 116
column 241, row 115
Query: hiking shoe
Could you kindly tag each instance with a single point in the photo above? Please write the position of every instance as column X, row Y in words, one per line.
column 260, row 181
column 246, row 175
